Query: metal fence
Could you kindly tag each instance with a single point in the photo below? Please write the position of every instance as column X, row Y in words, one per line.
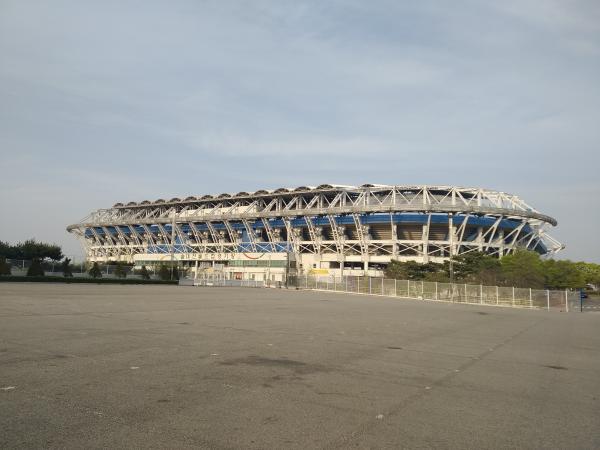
column 219, row 279
column 566, row 300
column 20, row 266
column 81, row 269
column 446, row 292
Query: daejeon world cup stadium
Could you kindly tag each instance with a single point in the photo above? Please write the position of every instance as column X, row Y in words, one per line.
column 324, row 230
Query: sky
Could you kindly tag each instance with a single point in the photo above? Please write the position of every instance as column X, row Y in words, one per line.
column 117, row 101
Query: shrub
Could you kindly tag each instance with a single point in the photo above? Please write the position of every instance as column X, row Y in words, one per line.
column 120, row 271
column 164, row 273
column 66, row 268
column 168, row 273
column 144, row 273
column 4, row 266
column 36, row 269
column 95, row 271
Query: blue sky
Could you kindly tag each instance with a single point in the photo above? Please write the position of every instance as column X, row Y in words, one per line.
column 117, row 101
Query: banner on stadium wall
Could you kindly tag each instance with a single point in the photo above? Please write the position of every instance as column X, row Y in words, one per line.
column 318, row 272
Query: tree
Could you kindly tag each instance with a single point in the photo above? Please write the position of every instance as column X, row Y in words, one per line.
column 475, row 267
column 563, row 274
column 164, row 273
column 396, row 269
column 66, row 268
column 4, row 266
column 440, row 276
column 523, row 268
column 144, row 273
column 36, row 269
column 120, row 271
column 31, row 249
column 412, row 270
column 6, row 250
column 168, row 273
column 95, row 271
column 591, row 273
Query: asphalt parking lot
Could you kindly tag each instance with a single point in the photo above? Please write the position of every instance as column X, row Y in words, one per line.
column 98, row 366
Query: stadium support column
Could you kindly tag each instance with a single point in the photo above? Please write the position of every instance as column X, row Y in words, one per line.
column 451, row 235
column 480, row 238
column 425, row 239
column 313, row 235
column 453, row 252
column 394, row 241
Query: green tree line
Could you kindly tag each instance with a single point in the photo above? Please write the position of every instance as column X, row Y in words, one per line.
column 520, row 269
column 31, row 249
column 34, row 251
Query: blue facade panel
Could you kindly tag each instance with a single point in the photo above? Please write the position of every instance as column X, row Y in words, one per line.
column 300, row 222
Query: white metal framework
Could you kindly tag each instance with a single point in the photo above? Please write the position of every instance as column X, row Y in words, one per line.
column 368, row 223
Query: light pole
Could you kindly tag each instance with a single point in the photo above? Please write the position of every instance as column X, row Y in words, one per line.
column 451, row 240
column 287, row 266
column 172, row 244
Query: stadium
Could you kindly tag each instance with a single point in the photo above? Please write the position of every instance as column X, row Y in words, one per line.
column 324, row 230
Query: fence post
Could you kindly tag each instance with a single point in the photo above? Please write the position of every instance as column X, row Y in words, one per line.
column 436, row 290
column 513, row 296
column 395, row 287
column 358, row 285
column 567, row 300
column 346, row 279
column 530, row 299
column 382, row 293
column 481, row 294
column 408, row 288
column 548, row 298
column 370, row 291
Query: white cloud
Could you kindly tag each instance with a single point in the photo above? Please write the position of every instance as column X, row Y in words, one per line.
column 116, row 102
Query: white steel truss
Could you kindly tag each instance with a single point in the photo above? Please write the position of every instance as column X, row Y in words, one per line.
column 335, row 220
